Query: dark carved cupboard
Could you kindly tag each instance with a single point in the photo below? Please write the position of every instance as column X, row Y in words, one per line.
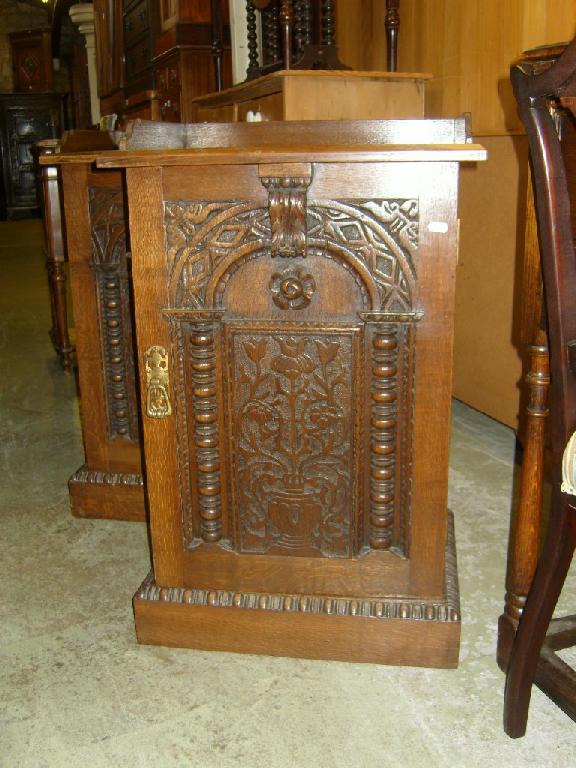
column 25, row 119
column 293, row 301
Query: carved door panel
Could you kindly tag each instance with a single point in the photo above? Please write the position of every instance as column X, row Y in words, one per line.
column 100, row 284
column 110, row 266
column 289, row 388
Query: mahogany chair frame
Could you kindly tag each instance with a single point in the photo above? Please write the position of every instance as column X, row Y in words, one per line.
column 545, row 99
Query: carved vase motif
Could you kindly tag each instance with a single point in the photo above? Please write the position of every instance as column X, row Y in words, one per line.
column 293, row 421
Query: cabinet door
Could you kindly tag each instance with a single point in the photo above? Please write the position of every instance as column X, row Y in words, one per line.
column 109, row 45
column 25, row 123
column 173, row 12
column 168, row 88
column 32, row 60
column 291, row 423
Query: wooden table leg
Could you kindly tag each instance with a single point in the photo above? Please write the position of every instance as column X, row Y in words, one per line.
column 55, row 258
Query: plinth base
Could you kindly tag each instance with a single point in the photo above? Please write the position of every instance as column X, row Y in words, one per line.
column 390, row 630
column 107, row 495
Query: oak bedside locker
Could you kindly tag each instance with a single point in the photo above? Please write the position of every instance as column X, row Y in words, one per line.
column 294, row 293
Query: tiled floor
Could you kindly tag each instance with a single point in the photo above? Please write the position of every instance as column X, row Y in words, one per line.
column 76, row 690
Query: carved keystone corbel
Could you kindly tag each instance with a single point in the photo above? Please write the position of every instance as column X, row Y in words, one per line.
column 287, row 186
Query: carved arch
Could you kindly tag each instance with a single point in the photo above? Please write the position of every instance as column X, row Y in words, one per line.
column 216, row 285
column 375, row 239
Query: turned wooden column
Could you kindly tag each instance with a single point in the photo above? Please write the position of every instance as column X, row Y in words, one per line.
column 525, row 525
column 392, row 26
column 525, row 530
column 286, row 20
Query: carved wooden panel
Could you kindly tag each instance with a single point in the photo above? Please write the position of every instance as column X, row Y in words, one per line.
column 293, row 396
column 285, row 458
column 377, row 239
column 109, row 261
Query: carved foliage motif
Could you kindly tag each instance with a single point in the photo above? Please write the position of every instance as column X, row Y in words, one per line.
column 107, row 224
column 292, row 422
column 376, row 238
column 287, row 209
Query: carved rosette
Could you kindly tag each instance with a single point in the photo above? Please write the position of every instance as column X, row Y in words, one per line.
column 383, row 435
column 292, row 289
column 109, row 263
column 287, row 208
column 206, row 432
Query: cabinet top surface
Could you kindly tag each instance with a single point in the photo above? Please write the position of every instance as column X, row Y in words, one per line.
column 275, row 80
column 309, row 154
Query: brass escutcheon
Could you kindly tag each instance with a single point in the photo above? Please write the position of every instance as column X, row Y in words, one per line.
column 157, row 383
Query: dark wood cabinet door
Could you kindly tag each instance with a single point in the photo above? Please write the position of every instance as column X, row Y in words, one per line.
column 32, row 60
column 25, row 120
column 109, row 29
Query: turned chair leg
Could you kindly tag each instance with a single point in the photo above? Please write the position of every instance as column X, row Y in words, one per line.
column 546, row 587
column 525, row 532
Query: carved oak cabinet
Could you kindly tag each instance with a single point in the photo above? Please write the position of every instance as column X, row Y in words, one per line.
column 109, row 484
column 294, row 303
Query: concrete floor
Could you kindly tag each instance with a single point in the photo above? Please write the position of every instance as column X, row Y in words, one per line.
column 76, row 689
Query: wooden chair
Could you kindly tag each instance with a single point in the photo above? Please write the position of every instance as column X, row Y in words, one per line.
column 547, row 102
